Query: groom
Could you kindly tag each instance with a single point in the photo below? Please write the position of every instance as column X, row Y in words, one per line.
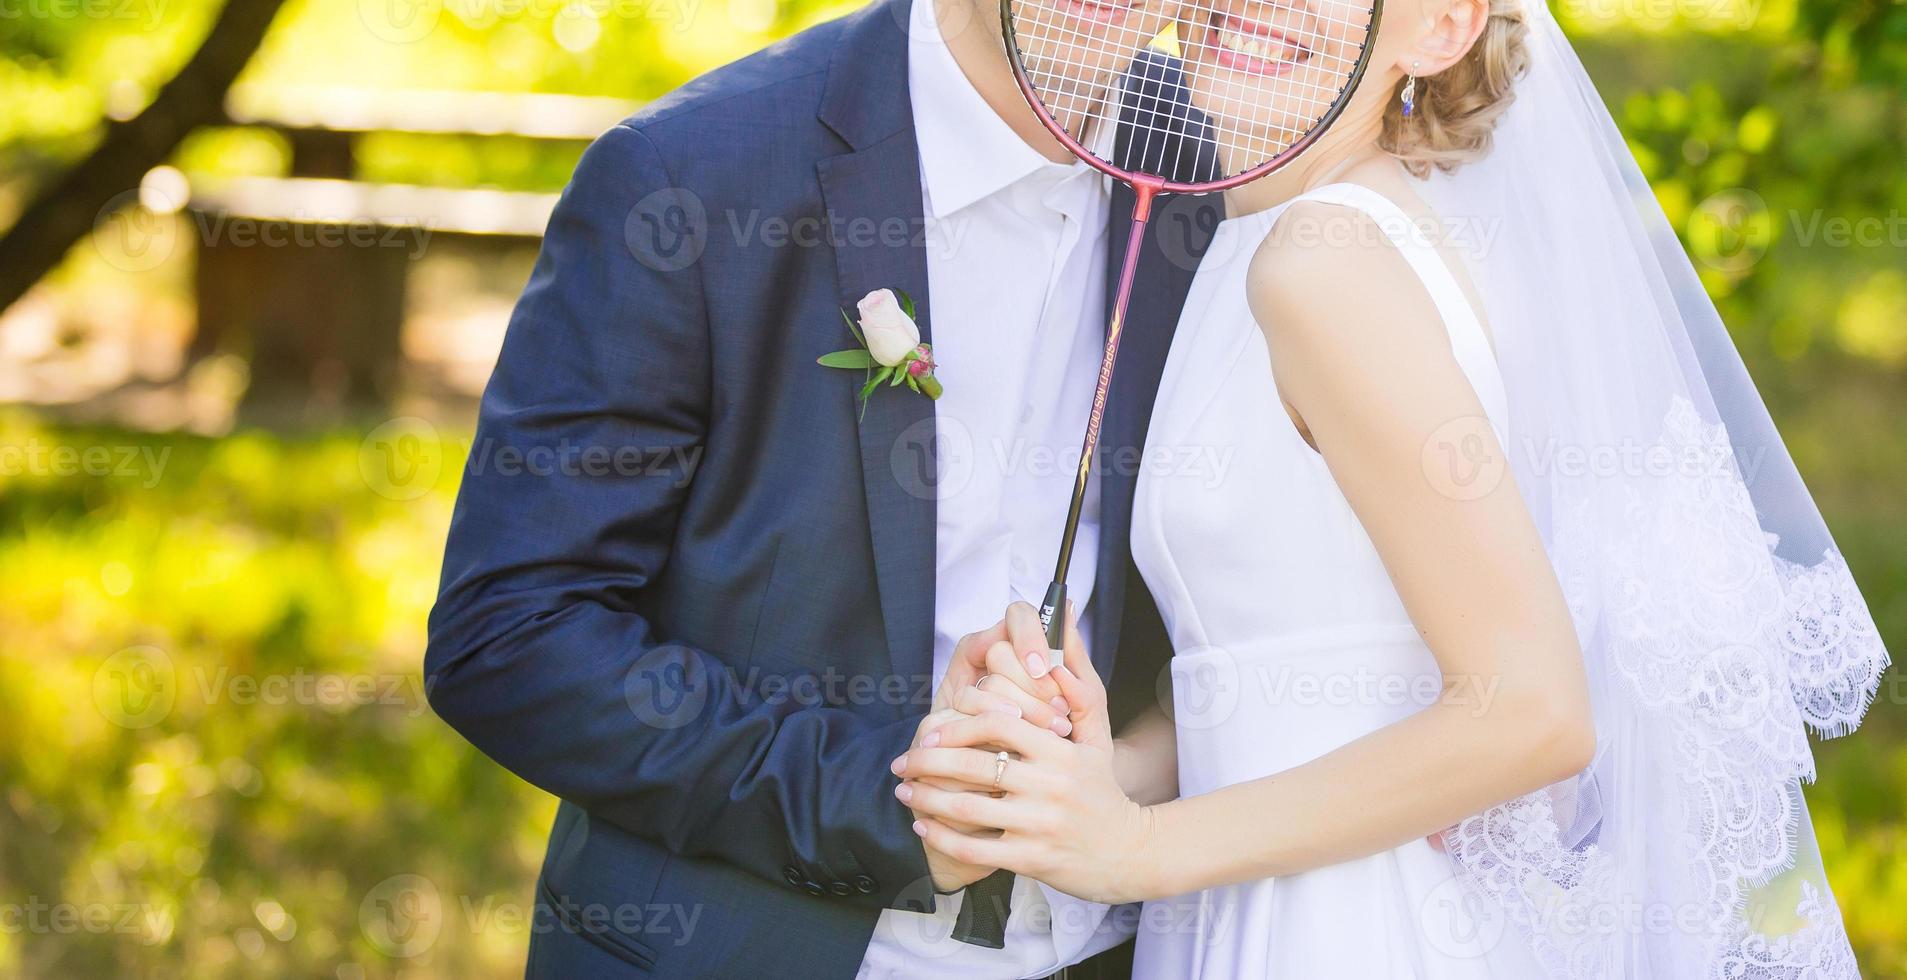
column 715, row 616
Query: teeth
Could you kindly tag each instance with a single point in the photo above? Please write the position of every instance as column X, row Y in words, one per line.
column 1252, row 47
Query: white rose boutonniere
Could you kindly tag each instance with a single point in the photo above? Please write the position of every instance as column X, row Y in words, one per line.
column 890, row 350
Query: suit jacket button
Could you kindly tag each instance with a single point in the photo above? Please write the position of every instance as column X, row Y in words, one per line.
column 813, row 888
column 864, row 884
column 792, row 875
column 840, row 889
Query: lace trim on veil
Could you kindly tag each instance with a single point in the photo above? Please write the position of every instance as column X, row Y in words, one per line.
column 1723, row 656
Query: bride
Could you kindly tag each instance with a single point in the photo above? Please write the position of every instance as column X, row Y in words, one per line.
column 1497, row 652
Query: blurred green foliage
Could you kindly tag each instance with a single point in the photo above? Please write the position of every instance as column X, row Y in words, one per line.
column 252, row 821
column 64, row 75
column 212, row 725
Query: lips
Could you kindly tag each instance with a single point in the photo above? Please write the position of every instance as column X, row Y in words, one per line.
column 1097, row 11
column 1253, row 48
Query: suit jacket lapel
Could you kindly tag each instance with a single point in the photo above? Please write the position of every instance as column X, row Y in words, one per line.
column 866, row 103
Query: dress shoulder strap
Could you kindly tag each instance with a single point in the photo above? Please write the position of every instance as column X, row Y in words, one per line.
column 1468, row 341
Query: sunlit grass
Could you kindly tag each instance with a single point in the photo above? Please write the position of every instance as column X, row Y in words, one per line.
column 212, row 716
column 251, row 832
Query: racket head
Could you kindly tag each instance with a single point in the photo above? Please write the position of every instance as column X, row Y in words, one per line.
column 1259, row 81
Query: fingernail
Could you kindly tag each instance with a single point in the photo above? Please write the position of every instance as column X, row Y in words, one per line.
column 1062, row 726
column 900, row 764
column 930, row 740
column 1071, row 613
column 920, row 829
column 905, row 792
column 1036, row 664
column 1059, row 704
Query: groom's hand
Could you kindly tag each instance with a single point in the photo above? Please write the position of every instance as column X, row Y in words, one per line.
column 1005, row 668
column 1082, row 696
column 949, row 875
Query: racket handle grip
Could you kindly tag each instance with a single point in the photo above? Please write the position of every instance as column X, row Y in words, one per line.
column 1053, row 618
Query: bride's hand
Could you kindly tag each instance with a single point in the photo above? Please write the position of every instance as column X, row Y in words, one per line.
column 1063, row 817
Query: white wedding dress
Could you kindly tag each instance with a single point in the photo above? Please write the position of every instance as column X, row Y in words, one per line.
column 1291, row 641
column 1718, row 622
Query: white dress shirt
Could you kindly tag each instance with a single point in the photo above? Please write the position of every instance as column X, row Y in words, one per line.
column 1016, row 268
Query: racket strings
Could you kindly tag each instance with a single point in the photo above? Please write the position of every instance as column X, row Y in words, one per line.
column 1255, row 77
column 1082, row 115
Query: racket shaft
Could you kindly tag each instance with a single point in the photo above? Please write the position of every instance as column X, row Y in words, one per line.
column 1055, row 600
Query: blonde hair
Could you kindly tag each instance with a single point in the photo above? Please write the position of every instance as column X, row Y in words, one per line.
column 1455, row 111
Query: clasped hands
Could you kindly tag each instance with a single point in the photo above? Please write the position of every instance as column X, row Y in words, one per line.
column 1056, row 813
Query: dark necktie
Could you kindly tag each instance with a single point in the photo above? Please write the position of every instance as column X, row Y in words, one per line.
column 983, row 915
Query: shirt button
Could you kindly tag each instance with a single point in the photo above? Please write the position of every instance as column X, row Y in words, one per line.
column 792, row 875
column 840, row 889
column 813, row 888
column 864, row 884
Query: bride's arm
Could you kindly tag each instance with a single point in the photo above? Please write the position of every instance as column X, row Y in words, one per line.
column 1370, row 372
column 1364, row 359
column 1145, row 758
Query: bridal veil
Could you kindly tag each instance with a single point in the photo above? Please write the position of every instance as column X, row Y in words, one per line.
column 1719, row 624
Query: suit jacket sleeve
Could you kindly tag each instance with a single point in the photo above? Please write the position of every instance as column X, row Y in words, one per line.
column 538, row 654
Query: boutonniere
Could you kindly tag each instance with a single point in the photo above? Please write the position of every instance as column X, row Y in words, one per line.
column 890, row 351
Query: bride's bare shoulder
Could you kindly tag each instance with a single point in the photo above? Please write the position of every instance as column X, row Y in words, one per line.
column 1324, row 266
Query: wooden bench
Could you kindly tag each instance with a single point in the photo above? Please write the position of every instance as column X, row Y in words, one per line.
column 308, row 272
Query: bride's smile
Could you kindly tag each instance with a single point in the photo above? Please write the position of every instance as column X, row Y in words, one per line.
column 1254, row 48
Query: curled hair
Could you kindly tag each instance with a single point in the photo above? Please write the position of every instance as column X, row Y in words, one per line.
column 1455, row 110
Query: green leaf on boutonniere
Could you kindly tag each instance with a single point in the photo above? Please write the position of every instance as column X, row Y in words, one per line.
column 873, row 383
column 853, row 328
column 900, row 375
column 848, row 359
column 907, row 303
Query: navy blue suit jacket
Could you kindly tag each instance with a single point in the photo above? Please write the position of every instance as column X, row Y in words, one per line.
column 689, row 587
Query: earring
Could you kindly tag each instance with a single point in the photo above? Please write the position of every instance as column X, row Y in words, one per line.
column 1410, row 91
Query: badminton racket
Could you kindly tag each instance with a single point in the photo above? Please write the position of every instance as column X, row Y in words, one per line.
column 1167, row 97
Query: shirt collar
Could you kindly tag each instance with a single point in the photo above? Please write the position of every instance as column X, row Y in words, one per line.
column 967, row 152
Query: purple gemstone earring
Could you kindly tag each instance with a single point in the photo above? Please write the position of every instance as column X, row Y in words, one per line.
column 1410, row 91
